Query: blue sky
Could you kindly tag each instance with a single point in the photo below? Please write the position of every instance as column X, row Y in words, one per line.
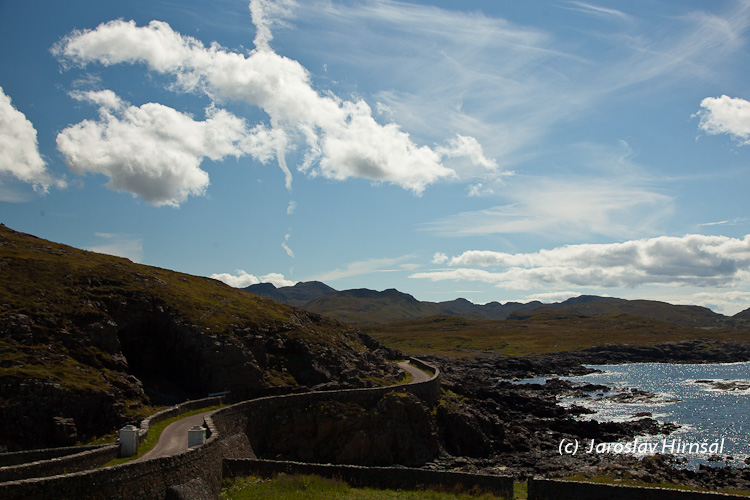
column 489, row 150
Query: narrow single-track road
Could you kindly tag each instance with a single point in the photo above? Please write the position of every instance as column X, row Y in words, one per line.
column 174, row 438
column 417, row 374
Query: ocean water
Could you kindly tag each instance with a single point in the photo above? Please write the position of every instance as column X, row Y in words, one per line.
column 707, row 416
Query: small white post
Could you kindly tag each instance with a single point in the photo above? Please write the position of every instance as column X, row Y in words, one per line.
column 196, row 436
column 128, row 441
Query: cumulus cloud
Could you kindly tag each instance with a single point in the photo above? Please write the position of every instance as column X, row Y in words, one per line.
column 695, row 260
column 439, row 258
column 242, row 279
column 342, row 138
column 20, row 156
column 726, row 115
column 154, row 151
column 291, row 207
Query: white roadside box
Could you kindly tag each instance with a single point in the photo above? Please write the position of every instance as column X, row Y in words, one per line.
column 128, row 441
column 196, row 436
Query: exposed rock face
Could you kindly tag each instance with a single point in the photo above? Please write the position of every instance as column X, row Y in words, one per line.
column 398, row 430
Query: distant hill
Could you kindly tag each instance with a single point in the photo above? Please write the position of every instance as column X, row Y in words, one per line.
column 363, row 306
column 491, row 310
column 742, row 315
column 297, row 295
column 590, row 305
column 370, row 307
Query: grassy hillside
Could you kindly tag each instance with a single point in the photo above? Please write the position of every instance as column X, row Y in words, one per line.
column 545, row 331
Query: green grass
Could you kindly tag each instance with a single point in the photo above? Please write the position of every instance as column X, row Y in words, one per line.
column 629, row 481
column 154, row 433
column 541, row 333
column 317, row 488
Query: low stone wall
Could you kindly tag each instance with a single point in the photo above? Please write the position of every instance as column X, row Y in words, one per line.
column 552, row 489
column 88, row 457
column 28, row 456
column 377, row 477
column 156, row 479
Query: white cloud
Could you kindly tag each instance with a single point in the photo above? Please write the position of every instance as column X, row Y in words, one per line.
column 595, row 10
column 362, row 267
column 286, row 248
column 121, row 245
column 693, row 260
column 20, row 156
column 549, row 297
column 243, row 279
column 154, row 151
column 343, row 139
column 453, row 77
column 439, row 258
column 569, row 208
column 291, row 207
column 729, row 303
column 105, row 99
column 268, row 14
column 726, row 115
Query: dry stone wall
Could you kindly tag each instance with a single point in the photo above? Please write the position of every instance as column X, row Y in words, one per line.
column 377, row 477
column 551, row 489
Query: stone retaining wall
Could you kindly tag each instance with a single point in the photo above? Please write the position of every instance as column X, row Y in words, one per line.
column 376, row 477
column 28, row 456
column 88, row 457
column 156, row 479
column 551, row 489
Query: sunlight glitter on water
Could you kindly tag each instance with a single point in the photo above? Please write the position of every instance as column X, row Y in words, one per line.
column 706, row 414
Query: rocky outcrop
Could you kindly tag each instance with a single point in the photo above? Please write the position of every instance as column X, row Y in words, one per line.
column 398, row 429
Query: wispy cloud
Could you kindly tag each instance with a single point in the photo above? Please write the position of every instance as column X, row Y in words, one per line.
column 452, row 78
column 595, row 10
column 120, row 245
column 363, row 267
column 286, row 248
column 577, row 208
column 737, row 221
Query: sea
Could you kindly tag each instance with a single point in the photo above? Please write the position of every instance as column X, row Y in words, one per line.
column 714, row 423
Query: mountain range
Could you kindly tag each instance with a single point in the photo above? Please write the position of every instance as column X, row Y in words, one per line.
column 369, row 307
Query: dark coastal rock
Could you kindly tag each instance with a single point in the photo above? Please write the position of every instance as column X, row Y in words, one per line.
column 726, row 385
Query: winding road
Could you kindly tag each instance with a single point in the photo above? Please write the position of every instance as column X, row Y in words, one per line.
column 417, row 374
column 174, row 438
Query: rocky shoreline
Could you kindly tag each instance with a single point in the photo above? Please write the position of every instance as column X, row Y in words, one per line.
column 492, row 426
